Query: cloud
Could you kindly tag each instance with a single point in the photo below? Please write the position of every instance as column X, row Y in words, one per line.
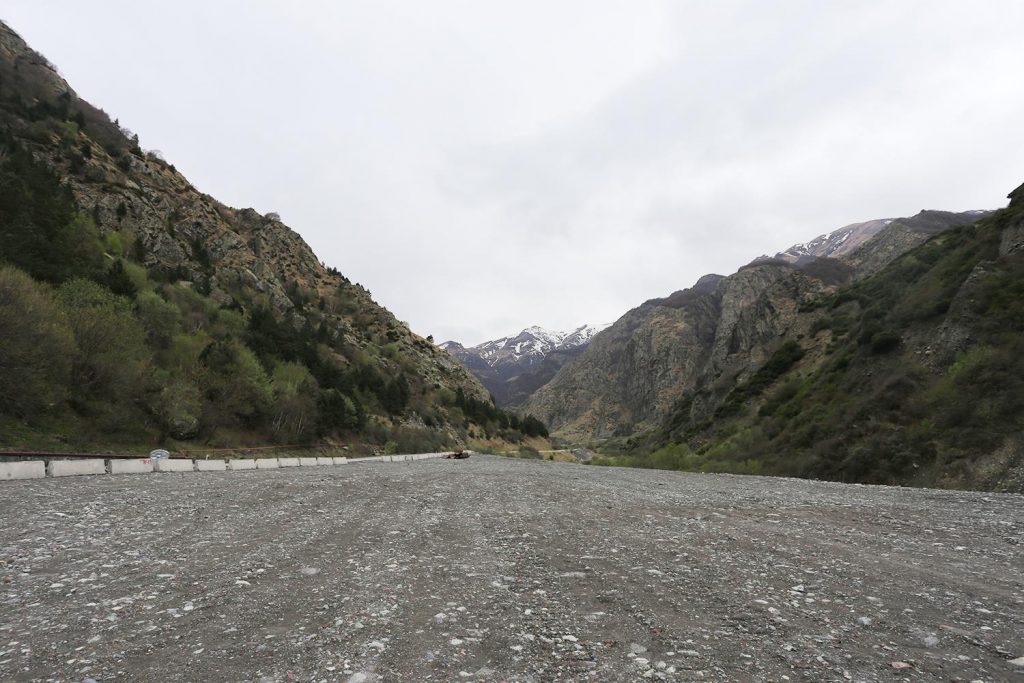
column 481, row 168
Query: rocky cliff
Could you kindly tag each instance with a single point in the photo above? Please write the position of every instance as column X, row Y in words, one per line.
column 911, row 375
column 698, row 344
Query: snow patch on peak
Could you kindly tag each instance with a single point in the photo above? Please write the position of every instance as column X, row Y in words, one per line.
column 841, row 242
column 582, row 335
column 530, row 346
column 544, row 335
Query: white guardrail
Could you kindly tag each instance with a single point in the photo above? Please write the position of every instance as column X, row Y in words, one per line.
column 38, row 469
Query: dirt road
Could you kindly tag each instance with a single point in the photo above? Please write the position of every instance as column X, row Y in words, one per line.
column 498, row 569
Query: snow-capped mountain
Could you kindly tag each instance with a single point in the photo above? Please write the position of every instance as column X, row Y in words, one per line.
column 513, row 367
column 846, row 242
column 527, row 348
column 836, row 243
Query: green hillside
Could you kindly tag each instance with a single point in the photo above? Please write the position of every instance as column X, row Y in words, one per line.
column 136, row 311
column 912, row 376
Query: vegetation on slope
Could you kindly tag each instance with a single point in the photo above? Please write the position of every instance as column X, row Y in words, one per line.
column 104, row 344
column 919, row 380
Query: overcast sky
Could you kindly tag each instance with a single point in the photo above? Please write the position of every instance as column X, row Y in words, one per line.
column 481, row 167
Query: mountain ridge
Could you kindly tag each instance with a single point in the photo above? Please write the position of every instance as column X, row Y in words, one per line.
column 903, row 366
column 723, row 327
column 510, row 367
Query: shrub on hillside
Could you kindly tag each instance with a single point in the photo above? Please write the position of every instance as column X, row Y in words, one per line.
column 529, row 452
column 110, row 359
column 784, row 358
column 41, row 229
column 36, row 346
column 885, row 341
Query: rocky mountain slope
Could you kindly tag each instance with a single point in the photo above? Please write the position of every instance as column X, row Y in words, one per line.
column 912, row 375
column 222, row 279
column 832, row 245
column 716, row 334
column 512, row 368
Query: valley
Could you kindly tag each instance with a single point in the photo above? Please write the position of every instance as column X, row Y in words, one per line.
column 513, row 367
column 884, row 352
column 223, row 458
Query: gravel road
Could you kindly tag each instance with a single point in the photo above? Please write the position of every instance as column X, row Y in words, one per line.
column 498, row 569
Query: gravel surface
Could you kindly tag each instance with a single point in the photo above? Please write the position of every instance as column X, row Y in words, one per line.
column 498, row 569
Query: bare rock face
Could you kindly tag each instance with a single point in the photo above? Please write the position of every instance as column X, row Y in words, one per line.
column 1017, row 196
column 635, row 369
column 718, row 333
column 1012, row 241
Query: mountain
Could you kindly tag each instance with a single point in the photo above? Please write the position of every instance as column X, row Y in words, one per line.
column 717, row 332
column 904, row 366
column 512, row 368
column 136, row 309
column 831, row 245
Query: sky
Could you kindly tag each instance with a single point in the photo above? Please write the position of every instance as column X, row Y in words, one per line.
column 484, row 167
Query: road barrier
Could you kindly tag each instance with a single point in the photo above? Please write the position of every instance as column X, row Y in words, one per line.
column 31, row 469
column 61, row 467
column 132, row 466
column 74, row 468
column 175, row 465
column 242, row 464
column 211, row 466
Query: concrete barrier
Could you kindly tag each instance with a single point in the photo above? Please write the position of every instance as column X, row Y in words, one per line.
column 176, row 465
column 129, row 466
column 242, row 464
column 37, row 469
column 27, row 469
column 210, row 466
column 74, row 468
